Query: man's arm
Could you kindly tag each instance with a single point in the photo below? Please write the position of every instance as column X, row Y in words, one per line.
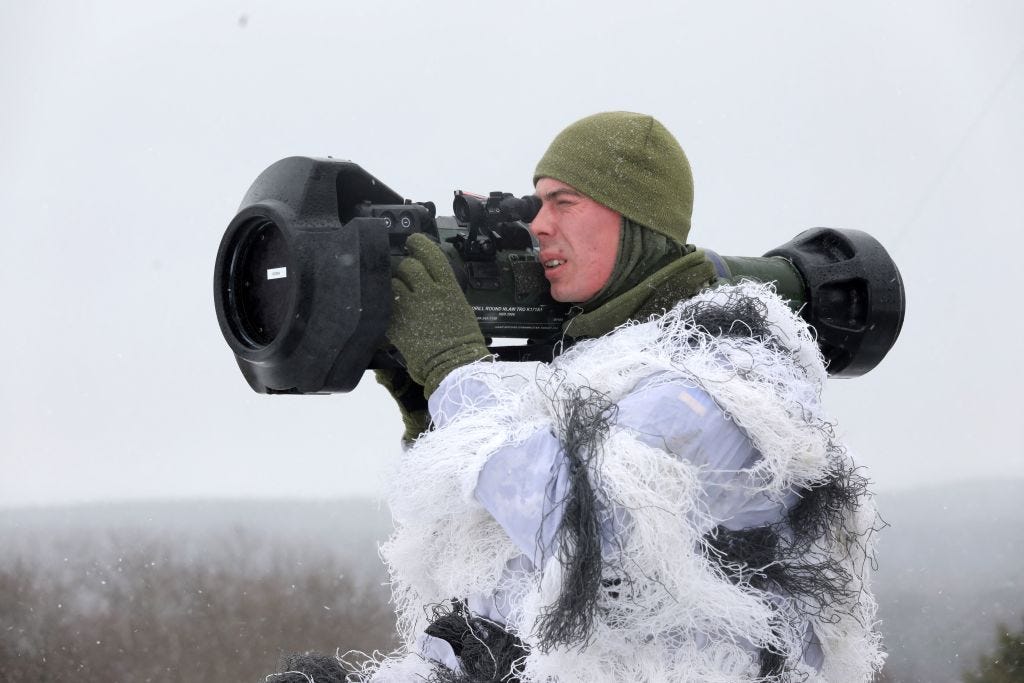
column 524, row 484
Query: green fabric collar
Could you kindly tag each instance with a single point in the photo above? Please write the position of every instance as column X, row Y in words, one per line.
column 679, row 280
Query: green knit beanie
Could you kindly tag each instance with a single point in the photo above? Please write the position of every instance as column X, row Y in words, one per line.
column 631, row 164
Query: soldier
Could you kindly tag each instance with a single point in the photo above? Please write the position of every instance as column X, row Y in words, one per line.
column 665, row 500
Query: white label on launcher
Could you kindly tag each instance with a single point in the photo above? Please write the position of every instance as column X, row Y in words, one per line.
column 277, row 273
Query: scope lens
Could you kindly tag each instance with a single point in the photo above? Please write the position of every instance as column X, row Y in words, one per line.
column 260, row 287
column 530, row 207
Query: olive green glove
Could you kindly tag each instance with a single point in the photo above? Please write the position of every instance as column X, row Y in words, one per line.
column 409, row 397
column 432, row 324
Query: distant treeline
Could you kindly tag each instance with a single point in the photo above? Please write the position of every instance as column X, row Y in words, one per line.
column 217, row 590
column 140, row 611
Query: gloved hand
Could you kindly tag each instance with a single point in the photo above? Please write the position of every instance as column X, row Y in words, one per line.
column 409, row 397
column 432, row 324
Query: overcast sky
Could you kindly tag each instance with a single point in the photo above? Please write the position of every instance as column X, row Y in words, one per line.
column 129, row 133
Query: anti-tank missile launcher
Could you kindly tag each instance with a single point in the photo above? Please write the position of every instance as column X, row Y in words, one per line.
column 302, row 282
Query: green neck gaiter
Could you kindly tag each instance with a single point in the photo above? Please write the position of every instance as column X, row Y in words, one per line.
column 641, row 253
column 651, row 274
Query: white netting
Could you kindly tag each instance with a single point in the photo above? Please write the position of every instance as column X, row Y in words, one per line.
column 667, row 612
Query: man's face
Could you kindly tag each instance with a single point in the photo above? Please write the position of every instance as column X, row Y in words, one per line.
column 579, row 240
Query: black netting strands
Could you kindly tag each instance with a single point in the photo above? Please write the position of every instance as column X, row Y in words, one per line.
column 309, row 666
column 740, row 316
column 790, row 557
column 583, row 416
column 487, row 652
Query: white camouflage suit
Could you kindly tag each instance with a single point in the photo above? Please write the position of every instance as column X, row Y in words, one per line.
column 709, row 438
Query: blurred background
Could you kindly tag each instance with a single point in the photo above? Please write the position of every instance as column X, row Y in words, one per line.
column 133, row 456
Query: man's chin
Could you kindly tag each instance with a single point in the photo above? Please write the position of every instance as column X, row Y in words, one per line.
column 561, row 296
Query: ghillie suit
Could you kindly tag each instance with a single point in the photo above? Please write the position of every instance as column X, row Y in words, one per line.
column 667, row 502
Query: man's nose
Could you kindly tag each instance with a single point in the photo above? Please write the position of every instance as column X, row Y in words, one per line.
column 541, row 224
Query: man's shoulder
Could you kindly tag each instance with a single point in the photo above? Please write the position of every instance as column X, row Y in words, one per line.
column 732, row 340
